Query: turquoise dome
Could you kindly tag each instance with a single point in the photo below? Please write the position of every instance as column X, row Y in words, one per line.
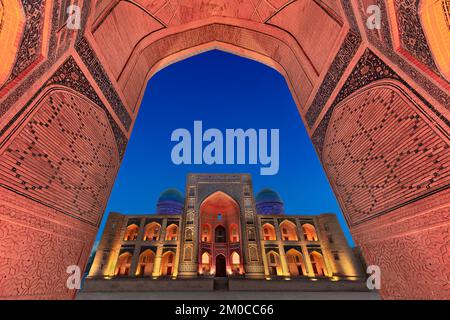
column 269, row 202
column 267, row 195
column 171, row 195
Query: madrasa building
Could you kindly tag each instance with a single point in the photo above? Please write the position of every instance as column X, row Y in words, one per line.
column 221, row 230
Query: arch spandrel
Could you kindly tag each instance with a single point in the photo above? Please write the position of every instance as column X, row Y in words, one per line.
column 370, row 176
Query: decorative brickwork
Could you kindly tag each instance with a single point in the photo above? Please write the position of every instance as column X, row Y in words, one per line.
column 371, row 176
column 65, row 157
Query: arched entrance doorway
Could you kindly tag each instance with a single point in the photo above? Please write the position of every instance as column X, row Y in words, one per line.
column 220, row 232
column 221, row 266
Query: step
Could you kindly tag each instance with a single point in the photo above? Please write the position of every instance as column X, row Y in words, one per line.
column 221, row 284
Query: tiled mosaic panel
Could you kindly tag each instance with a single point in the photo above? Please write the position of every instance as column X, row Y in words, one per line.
column 379, row 153
column 64, row 157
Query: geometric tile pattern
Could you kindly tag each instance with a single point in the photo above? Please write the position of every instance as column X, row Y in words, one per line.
column 64, row 157
column 380, row 153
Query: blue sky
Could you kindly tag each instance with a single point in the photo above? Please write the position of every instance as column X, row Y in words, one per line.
column 224, row 91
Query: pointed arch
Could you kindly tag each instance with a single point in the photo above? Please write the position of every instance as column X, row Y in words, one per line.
column 318, row 264
column 309, row 232
column 288, row 231
column 274, row 263
column 296, row 263
column 206, row 232
column 205, row 263
column 123, row 264
column 172, row 232
column 146, row 263
column 235, row 262
column 152, row 231
column 220, row 234
column 269, row 232
column 167, row 263
column 131, row 232
column 234, row 233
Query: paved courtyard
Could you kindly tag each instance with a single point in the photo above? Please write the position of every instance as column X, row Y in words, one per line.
column 228, row 295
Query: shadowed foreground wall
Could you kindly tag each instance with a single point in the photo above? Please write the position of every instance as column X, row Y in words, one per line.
column 374, row 102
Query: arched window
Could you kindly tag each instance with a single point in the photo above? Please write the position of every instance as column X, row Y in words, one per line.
column 318, row 264
column 435, row 19
column 235, row 262
column 309, row 232
column 167, row 263
column 220, row 234
column 234, row 233
column 206, row 233
column 296, row 263
column 269, row 232
column 206, row 262
column 131, row 232
column 146, row 263
column 274, row 264
column 152, row 231
column 172, row 232
column 123, row 264
column 288, row 231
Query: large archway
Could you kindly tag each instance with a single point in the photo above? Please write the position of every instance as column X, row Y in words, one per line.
column 388, row 167
column 220, row 225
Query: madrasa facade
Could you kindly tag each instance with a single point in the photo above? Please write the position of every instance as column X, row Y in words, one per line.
column 220, row 229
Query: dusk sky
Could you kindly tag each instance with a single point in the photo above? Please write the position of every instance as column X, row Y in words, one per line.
column 224, row 91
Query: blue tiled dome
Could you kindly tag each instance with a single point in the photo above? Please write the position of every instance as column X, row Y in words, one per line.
column 269, row 202
column 171, row 195
column 170, row 201
column 267, row 195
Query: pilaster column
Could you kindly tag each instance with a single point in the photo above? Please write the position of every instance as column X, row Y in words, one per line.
column 308, row 263
column 157, row 265
column 284, row 265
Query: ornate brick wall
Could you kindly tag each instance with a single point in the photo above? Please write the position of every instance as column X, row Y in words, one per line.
column 56, row 173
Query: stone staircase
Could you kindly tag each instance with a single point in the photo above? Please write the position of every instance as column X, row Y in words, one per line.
column 221, row 284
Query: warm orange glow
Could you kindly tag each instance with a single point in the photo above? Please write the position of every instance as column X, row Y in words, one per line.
column 152, row 231
column 167, row 263
column 206, row 233
column 220, row 227
column 274, row 263
column 309, row 232
column 296, row 264
column 146, row 263
column 318, row 264
column 131, row 233
column 206, row 263
column 123, row 264
column 234, row 233
column 288, row 231
column 269, row 232
column 172, row 232
column 435, row 18
column 12, row 22
column 235, row 262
